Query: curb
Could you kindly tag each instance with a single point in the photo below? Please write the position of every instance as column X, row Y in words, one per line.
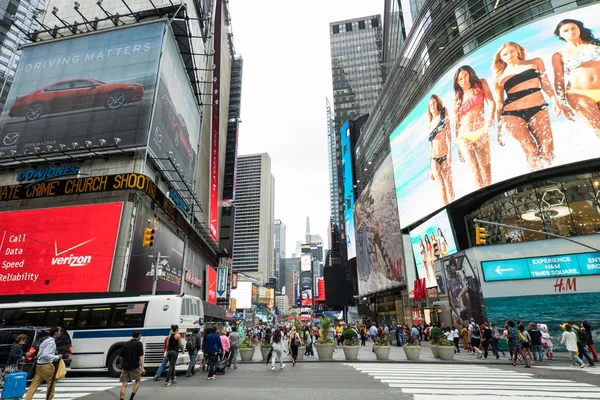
column 387, row 362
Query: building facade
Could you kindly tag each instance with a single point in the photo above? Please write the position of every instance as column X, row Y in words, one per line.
column 279, row 255
column 292, row 274
column 253, row 245
column 283, row 305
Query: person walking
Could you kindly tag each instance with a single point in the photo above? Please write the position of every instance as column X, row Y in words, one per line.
column 536, row 342
column 132, row 362
column 590, row 340
column 581, row 340
column 214, row 346
column 569, row 339
column 44, row 370
column 363, row 335
column 173, row 347
column 193, row 345
column 373, row 331
column 488, row 340
column 475, row 334
column 309, row 342
column 546, row 341
column 295, row 342
column 225, row 343
column 496, row 341
column 16, row 353
column 455, row 337
column 277, row 347
column 464, row 335
column 165, row 359
column 514, row 337
column 525, row 342
column 234, row 342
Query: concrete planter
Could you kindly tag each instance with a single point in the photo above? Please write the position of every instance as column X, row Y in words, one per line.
column 382, row 352
column 247, row 354
column 434, row 351
column 301, row 351
column 325, row 350
column 265, row 352
column 412, row 352
column 351, row 352
column 446, row 352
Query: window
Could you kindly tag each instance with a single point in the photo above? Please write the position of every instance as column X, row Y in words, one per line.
column 129, row 315
column 83, row 84
column 60, row 86
column 95, row 316
column 348, row 26
column 62, row 316
column 336, row 29
column 374, row 22
column 361, row 24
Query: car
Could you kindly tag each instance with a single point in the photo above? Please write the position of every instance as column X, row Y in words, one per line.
column 35, row 337
column 176, row 126
column 75, row 94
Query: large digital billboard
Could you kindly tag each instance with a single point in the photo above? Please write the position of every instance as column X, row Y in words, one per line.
column 379, row 244
column 242, row 295
column 430, row 241
column 526, row 101
column 88, row 88
column 167, row 243
column 176, row 123
column 58, row 250
column 348, row 180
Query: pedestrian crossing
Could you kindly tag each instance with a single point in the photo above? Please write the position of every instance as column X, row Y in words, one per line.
column 73, row 388
column 451, row 381
column 565, row 367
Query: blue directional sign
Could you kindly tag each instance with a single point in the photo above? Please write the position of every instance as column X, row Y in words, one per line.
column 542, row 267
column 222, row 274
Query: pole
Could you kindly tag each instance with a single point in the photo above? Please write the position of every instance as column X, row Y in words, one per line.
column 478, row 221
column 312, row 289
column 155, row 268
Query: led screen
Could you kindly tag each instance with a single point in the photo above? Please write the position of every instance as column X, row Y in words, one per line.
column 430, row 241
column 348, row 188
column 453, row 143
column 243, row 295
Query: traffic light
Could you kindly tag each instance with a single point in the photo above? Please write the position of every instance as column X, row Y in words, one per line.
column 148, row 237
column 480, row 235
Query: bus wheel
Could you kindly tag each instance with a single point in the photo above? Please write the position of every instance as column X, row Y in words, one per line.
column 114, row 363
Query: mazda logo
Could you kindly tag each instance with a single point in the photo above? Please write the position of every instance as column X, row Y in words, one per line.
column 11, row 138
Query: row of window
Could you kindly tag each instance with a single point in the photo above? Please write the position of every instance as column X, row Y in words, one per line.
column 361, row 25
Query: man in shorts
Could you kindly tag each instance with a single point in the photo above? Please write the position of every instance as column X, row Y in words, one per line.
column 132, row 361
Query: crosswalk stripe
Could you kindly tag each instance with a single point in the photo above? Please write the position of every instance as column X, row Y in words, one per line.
column 474, row 380
column 74, row 388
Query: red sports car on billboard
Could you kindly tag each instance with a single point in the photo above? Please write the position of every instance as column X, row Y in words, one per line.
column 176, row 126
column 75, row 94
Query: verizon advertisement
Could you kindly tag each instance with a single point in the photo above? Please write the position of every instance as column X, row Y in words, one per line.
column 58, row 250
column 211, row 285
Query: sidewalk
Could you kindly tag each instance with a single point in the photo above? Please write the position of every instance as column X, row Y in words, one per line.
column 365, row 354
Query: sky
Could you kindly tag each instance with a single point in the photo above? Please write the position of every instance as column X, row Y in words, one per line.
column 286, row 78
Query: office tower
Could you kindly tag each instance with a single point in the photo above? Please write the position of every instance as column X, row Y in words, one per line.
column 332, row 141
column 394, row 31
column 292, row 269
column 279, row 254
column 16, row 18
column 253, row 247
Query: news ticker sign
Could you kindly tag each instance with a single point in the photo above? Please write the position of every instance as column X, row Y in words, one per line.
column 40, row 175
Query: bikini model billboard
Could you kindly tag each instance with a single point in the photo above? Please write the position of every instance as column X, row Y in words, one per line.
column 526, row 101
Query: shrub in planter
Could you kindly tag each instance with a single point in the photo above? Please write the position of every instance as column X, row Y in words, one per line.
column 351, row 344
column 381, row 346
column 446, row 349
column 247, row 350
column 412, row 348
column 324, row 345
column 264, row 350
column 436, row 336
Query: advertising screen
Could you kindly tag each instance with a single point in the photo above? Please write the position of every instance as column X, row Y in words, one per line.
column 167, row 243
column 90, row 88
column 176, row 122
column 58, row 250
column 243, row 295
column 305, row 263
column 467, row 133
column 379, row 243
column 306, row 289
column 348, row 188
column 430, row 241
column 211, row 285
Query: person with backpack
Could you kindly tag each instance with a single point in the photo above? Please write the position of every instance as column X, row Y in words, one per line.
column 214, row 346
column 581, row 342
column 536, row 342
column 475, row 334
column 525, row 339
column 277, row 347
column 192, row 345
column 515, row 339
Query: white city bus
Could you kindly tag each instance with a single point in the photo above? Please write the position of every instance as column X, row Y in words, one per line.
column 100, row 326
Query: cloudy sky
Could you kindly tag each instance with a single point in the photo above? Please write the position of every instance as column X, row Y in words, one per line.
column 287, row 76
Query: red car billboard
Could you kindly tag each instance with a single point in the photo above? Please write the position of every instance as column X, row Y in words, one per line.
column 211, row 285
column 58, row 250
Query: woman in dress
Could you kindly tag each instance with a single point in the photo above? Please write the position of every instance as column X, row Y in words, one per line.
column 523, row 111
column 577, row 71
column 440, row 151
column 472, row 127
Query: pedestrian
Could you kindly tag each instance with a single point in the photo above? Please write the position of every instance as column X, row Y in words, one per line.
column 225, row 343
column 464, row 335
column 192, row 346
column 173, row 347
column 581, row 340
column 213, row 347
column 363, row 335
column 165, row 359
column 525, row 342
column 515, row 337
column 455, row 337
column 277, row 347
column 308, row 339
column 132, row 363
column 44, row 370
column 234, row 342
column 295, row 342
column 475, row 334
column 536, row 342
column 488, row 340
column 204, row 361
column 339, row 334
column 590, row 340
column 569, row 339
column 16, row 353
column 496, row 341
column 546, row 341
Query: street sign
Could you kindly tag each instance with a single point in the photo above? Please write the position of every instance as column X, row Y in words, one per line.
column 222, row 274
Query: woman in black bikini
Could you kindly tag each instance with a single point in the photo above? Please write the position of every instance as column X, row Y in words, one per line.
column 441, row 147
column 524, row 111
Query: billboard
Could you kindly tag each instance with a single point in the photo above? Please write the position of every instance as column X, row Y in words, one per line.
column 305, row 263
column 89, row 88
column 379, row 245
column 58, row 250
column 242, row 295
column 461, row 135
column 430, row 241
column 306, row 289
column 167, row 243
column 211, row 285
column 348, row 179
column 176, row 121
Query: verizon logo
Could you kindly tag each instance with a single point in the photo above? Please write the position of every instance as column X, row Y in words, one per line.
column 71, row 260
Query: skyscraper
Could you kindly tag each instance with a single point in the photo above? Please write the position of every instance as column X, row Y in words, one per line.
column 253, row 248
column 334, row 206
column 279, row 254
column 16, row 17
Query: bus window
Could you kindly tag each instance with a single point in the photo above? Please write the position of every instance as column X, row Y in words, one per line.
column 62, row 316
column 34, row 316
column 94, row 316
column 129, row 315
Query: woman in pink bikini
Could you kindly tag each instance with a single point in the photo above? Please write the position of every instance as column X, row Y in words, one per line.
column 472, row 126
column 577, row 71
column 440, row 152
